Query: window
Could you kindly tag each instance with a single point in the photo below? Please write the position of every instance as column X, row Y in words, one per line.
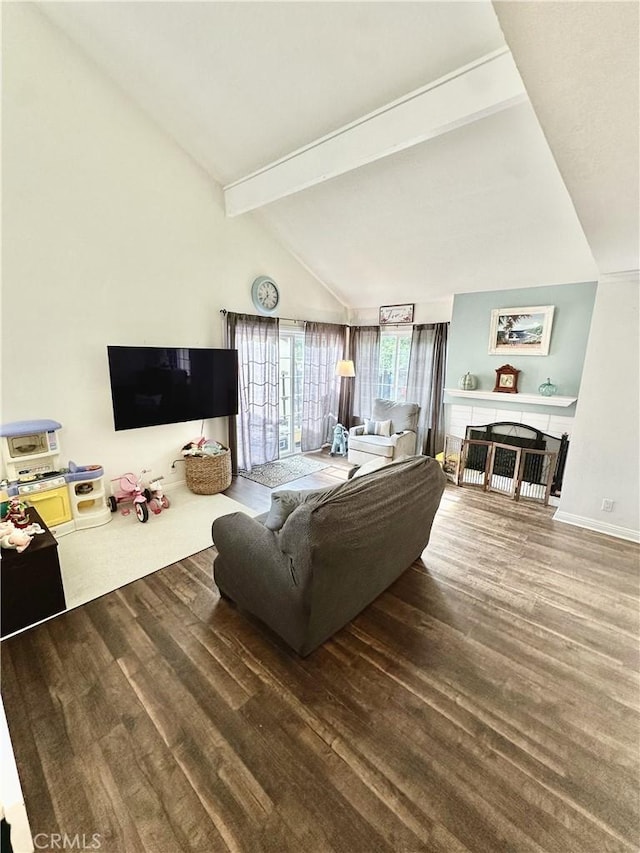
column 395, row 349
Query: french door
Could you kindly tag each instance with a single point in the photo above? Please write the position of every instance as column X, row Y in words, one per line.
column 291, row 373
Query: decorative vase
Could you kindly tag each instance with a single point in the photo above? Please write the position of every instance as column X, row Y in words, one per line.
column 547, row 389
column 468, row 382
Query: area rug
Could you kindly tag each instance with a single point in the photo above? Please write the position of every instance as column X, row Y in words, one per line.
column 274, row 474
column 100, row 559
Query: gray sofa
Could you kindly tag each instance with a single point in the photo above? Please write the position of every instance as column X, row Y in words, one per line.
column 318, row 558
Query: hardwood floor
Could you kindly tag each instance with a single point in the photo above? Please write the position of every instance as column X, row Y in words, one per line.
column 488, row 701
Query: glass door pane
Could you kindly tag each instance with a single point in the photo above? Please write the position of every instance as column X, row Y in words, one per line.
column 395, row 348
column 291, row 367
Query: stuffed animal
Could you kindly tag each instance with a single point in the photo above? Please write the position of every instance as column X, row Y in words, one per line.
column 13, row 537
column 340, row 438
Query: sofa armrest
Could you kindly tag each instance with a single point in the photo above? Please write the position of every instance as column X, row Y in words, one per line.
column 245, row 543
column 405, row 443
column 252, row 571
column 357, row 430
column 250, row 564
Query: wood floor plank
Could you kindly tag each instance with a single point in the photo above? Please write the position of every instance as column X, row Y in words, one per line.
column 143, row 802
column 480, row 672
column 70, row 801
column 199, row 750
column 30, row 767
column 471, row 737
column 308, row 776
column 488, row 701
column 117, row 825
column 317, row 697
column 456, row 601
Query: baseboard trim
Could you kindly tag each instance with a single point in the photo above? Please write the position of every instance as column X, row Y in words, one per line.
column 598, row 526
column 167, row 487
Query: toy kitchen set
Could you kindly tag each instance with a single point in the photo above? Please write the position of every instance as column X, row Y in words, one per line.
column 66, row 499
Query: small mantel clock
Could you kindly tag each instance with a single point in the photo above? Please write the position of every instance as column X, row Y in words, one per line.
column 507, row 379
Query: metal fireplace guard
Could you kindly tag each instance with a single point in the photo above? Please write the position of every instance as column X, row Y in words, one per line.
column 511, row 458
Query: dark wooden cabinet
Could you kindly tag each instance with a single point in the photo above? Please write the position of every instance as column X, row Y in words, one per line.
column 30, row 582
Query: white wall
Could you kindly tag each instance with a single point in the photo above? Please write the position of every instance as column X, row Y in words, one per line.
column 604, row 459
column 438, row 311
column 111, row 235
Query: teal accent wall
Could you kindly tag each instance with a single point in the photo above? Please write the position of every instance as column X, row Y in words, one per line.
column 469, row 341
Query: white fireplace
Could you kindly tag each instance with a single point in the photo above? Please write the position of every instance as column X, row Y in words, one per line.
column 458, row 418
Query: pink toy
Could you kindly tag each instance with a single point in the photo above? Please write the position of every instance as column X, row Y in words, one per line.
column 155, row 496
column 15, row 537
column 128, row 488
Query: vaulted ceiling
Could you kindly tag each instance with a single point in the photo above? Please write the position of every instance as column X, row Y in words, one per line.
column 395, row 148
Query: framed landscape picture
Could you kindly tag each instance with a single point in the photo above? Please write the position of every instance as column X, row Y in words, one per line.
column 394, row 314
column 521, row 331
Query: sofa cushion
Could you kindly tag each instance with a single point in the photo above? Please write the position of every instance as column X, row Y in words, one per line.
column 377, row 428
column 402, row 415
column 378, row 445
column 285, row 501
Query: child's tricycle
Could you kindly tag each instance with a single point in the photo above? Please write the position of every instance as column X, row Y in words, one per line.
column 127, row 488
column 155, row 496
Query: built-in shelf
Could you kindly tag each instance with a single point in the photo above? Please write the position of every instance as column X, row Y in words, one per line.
column 497, row 397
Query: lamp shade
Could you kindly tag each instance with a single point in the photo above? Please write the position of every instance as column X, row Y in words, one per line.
column 345, row 368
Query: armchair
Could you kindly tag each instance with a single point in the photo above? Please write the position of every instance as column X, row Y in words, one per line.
column 401, row 440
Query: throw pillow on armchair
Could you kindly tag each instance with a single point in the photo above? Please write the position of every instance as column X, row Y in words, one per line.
column 372, row 427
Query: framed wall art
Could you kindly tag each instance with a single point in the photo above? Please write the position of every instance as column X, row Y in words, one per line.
column 394, row 314
column 521, row 331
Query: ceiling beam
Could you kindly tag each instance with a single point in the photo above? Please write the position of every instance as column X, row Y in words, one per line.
column 486, row 86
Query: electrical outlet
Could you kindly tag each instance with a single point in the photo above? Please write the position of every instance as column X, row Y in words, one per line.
column 607, row 505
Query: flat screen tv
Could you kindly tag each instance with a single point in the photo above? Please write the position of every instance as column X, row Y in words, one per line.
column 167, row 385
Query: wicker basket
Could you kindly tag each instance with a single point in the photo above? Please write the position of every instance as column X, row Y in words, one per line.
column 208, row 475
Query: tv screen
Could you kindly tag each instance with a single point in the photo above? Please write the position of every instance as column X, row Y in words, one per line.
column 167, row 385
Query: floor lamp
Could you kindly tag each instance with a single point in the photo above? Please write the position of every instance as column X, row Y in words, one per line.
column 345, row 370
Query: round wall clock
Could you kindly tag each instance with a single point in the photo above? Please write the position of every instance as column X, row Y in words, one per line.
column 265, row 294
column 507, row 379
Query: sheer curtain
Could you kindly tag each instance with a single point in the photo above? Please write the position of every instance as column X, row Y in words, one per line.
column 365, row 352
column 425, row 384
column 324, row 345
column 255, row 437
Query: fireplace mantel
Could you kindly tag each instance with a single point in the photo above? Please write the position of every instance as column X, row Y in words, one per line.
column 529, row 399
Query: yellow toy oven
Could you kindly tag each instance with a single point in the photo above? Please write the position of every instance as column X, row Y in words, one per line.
column 50, row 498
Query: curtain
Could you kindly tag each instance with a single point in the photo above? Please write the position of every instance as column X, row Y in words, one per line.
column 365, row 352
column 254, row 437
column 425, row 384
column 324, row 346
